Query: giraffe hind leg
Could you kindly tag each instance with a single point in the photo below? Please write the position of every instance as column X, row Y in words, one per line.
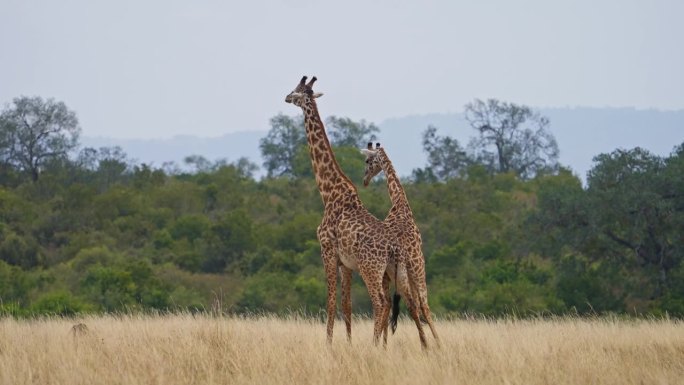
column 404, row 287
column 425, row 310
column 419, row 288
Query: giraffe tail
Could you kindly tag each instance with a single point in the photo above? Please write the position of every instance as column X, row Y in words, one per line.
column 395, row 299
column 395, row 311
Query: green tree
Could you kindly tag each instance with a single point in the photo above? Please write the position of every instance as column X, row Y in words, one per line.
column 14, row 284
column 245, row 167
column 626, row 224
column 344, row 132
column 33, row 131
column 145, row 176
column 190, row 227
column 587, row 287
column 19, row 250
column 560, row 219
column 60, row 303
column 512, row 138
column 446, row 158
column 228, row 241
column 635, row 212
column 270, row 292
column 130, row 284
column 112, row 166
column 285, row 146
column 280, row 146
column 198, row 163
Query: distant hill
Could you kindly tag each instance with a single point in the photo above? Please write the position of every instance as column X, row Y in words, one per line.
column 582, row 133
column 158, row 151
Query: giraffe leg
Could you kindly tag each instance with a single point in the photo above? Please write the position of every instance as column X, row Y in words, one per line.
column 404, row 287
column 379, row 305
column 419, row 287
column 425, row 309
column 373, row 280
column 346, row 276
column 330, row 265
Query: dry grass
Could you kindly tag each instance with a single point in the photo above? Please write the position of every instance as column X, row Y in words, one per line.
column 183, row 349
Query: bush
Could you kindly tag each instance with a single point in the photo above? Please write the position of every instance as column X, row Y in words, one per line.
column 14, row 284
column 60, row 303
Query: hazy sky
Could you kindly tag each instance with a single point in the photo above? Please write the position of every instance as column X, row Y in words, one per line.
column 160, row 68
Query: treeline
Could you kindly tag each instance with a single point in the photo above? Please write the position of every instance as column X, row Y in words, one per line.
column 505, row 228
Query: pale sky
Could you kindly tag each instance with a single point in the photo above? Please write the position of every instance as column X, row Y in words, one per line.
column 151, row 69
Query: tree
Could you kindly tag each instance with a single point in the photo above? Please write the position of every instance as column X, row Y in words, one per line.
column 112, row 166
column 633, row 197
column 14, row 284
column 345, row 132
column 199, row 163
column 108, row 165
column 284, row 147
column 512, row 138
column 280, row 146
column 625, row 227
column 227, row 241
column 245, row 167
column 35, row 131
column 446, row 157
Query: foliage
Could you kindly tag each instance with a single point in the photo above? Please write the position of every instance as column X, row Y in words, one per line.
column 282, row 143
column 446, row 158
column 99, row 233
column 627, row 226
column 344, row 132
column 35, row 131
column 60, row 303
column 512, row 138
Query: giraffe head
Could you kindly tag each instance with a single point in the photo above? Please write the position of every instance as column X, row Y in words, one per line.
column 373, row 161
column 302, row 93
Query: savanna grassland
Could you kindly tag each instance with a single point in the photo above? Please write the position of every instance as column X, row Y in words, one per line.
column 185, row 349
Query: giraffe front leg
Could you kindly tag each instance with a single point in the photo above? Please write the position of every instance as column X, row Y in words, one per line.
column 330, row 265
column 346, row 277
column 373, row 280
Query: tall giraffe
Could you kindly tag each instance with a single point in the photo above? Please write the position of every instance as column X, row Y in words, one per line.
column 403, row 225
column 350, row 237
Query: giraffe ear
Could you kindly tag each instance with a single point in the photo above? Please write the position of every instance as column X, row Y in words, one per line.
column 317, row 95
column 366, row 152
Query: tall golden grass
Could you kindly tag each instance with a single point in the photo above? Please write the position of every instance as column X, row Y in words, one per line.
column 184, row 349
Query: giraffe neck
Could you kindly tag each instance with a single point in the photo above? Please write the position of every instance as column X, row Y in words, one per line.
column 331, row 181
column 400, row 204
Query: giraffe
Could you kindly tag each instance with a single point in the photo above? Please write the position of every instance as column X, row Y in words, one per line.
column 400, row 219
column 350, row 237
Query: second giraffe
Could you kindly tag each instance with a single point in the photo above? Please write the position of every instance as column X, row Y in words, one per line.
column 403, row 226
